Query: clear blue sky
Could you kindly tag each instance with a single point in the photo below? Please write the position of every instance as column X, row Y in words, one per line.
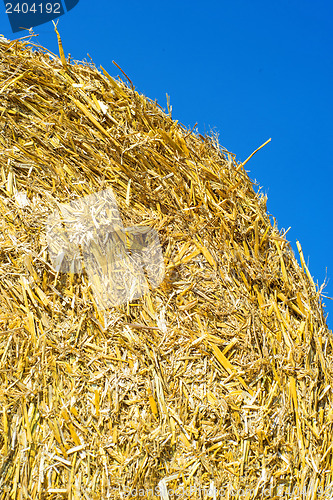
column 249, row 70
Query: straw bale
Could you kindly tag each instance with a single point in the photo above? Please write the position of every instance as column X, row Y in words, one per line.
column 215, row 384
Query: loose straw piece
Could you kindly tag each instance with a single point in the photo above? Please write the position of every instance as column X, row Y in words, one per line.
column 61, row 50
column 254, row 152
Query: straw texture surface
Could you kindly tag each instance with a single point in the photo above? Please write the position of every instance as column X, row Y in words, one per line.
column 215, row 384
